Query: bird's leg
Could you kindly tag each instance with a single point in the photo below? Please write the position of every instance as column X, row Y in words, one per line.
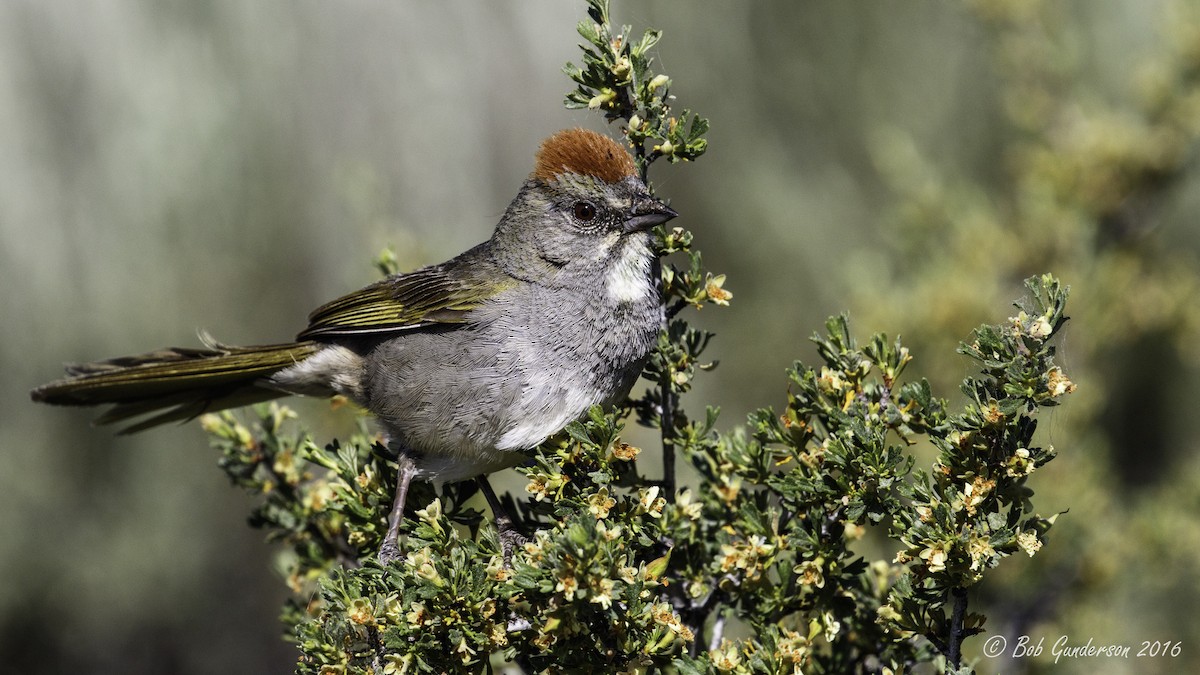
column 389, row 551
column 506, row 529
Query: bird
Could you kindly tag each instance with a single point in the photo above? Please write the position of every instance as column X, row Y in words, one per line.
column 465, row 365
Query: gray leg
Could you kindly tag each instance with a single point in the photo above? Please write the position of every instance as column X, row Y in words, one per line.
column 507, row 531
column 389, row 551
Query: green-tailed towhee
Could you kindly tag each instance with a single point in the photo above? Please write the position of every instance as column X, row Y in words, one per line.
column 465, row 364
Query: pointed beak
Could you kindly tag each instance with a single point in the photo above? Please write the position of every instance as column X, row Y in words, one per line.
column 646, row 213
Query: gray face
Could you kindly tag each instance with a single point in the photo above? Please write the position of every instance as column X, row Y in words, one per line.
column 575, row 230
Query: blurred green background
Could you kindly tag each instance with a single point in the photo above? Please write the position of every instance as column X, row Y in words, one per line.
column 172, row 166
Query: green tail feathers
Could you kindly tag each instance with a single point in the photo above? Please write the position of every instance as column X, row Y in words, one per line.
column 177, row 383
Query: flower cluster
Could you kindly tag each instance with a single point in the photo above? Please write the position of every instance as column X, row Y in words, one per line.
column 616, row 79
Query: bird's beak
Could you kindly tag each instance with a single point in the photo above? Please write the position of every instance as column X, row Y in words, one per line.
column 646, row 213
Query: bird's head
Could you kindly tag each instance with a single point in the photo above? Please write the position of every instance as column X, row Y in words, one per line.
column 583, row 210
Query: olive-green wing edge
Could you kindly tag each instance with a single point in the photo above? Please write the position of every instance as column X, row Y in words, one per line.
column 433, row 295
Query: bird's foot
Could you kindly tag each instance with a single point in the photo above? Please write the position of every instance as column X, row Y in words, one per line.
column 510, row 540
column 389, row 552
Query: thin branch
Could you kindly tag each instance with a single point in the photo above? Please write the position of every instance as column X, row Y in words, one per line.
column 956, row 626
column 718, row 632
column 667, row 424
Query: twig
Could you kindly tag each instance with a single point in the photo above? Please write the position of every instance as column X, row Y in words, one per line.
column 718, row 632
column 667, row 424
column 956, row 626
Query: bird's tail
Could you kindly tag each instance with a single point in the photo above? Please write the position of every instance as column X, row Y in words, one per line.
column 174, row 384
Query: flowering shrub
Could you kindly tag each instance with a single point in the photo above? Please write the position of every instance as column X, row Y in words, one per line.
column 811, row 529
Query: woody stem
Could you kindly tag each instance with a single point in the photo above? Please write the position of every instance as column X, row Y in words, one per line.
column 667, row 424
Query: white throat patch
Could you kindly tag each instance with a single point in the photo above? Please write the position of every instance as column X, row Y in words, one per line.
column 629, row 279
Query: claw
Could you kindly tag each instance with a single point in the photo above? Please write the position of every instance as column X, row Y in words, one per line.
column 510, row 537
column 389, row 553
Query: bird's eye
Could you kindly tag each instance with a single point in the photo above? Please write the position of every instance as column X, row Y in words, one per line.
column 584, row 211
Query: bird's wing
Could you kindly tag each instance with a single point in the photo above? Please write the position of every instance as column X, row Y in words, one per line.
column 442, row 294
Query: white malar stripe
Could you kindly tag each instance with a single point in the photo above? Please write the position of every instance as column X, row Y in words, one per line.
column 629, row 279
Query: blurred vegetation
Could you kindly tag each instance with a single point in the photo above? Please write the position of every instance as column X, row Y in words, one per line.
column 1091, row 185
column 166, row 166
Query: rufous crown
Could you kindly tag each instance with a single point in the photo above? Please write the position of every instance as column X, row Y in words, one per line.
column 583, row 152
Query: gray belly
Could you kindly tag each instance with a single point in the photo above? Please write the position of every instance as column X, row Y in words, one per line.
column 468, row 400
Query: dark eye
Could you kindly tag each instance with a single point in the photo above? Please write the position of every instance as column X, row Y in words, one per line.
column 584, row 211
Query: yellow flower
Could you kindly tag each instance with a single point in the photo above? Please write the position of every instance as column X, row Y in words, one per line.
column 1019, row 464
column 729, row 488
column 496, row 569
column 1029, row 542
column 830, row 380
column 392, row 610
column 924, row 512
column 975, row 492
column 533, row 549
column 751, row 556
column 464, row 651
column 621, row 69
column 713, row 289
column 431, row 513
column 935, row 557
column 544, row 640
column 361, row 612
column 286, row 465
column 810, row 573
column 625, row 452
column 567, row 585
column 888, row 613
column 609, row 532
column 981, row 551
column 628, row 574
column 542, row 486
column 651, row 503
column 600, row 504
column 604, row 99
column 397, row 664
column 727, row 657
column 418, row 616
column 992, row 414
column 792, row 647
column 832, row 626
column 602, row 592
column 691, row 510
column 664, row 615
column 498, row 634
column 1057, row 383
column 318, row 496
column 421, row 562
column 1040, row 328
column 815, row 456
column 537, row 487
